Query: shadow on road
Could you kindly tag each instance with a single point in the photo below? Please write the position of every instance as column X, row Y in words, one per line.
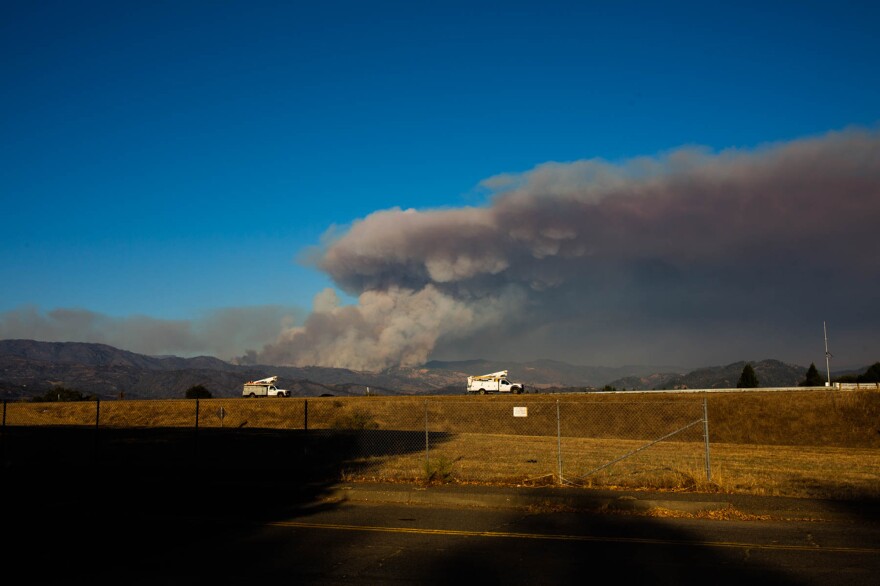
column 168, row 506
column 84, row 503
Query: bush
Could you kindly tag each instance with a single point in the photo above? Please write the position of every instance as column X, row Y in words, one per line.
column 357, row 419
column 439, row 471
column 198, row 392
column 872, row 375
column 63, row 394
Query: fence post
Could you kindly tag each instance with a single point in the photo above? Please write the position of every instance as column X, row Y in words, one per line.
column 305, row 442
column 706, row 436
column 196, row 437
column 558, row 443
column 96, row 448
column 427, row 465
column 3, row 436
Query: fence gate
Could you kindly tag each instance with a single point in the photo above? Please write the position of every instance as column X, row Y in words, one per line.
column 626, row 444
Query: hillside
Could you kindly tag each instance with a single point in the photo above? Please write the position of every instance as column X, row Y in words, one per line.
column 30, row 368
column 770, row 373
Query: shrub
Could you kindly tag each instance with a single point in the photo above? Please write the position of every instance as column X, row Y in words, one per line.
column 439, row 470
column 63, row 394
column 198, row 392
column 872, row 375
column 357, row 419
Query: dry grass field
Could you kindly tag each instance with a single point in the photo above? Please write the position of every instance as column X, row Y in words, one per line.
column 811, row 443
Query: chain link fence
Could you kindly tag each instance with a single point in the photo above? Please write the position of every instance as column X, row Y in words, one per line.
column 811, row 443
column 532, row 441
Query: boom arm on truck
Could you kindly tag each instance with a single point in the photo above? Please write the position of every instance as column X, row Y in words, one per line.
column 264, row 381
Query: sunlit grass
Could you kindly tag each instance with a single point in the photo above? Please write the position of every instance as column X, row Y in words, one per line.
column 801, row 443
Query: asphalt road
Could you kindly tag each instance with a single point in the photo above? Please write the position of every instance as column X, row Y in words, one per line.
column 172, row 529
column 78, row 508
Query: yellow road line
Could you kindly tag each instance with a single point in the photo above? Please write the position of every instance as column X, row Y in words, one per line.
column 555, row 537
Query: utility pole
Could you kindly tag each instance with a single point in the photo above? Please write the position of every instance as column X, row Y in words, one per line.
column 827, row 355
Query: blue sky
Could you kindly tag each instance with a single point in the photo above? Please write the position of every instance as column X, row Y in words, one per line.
column 167, row 161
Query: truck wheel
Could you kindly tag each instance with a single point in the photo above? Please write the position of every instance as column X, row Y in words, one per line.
column 482, row 391
column 252, row 396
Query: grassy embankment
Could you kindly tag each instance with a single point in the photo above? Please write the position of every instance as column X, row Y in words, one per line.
column 815, row 443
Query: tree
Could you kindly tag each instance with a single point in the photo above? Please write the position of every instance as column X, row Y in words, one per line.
column 872, row 375
column 198, row 392
column 814, row 379
column 747, row 380
column 61, row 393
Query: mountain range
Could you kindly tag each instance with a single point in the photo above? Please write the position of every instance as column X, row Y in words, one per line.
column 30, row 368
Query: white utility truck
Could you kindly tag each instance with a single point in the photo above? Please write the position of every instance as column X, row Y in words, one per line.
column 265, row 387
column 494, row 382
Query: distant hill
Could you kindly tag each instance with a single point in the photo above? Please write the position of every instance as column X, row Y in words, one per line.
column 30, row 368
column 770, row 373
column 551, row 373
column 102, row 355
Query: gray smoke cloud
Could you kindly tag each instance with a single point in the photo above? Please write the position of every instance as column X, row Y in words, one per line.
column 687, row 258
column 224, row 333
column 394, row 326
column 684, row 257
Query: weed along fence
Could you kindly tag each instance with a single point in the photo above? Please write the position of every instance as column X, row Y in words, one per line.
column 728, row 442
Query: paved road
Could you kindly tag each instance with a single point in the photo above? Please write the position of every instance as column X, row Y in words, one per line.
column 142, row 530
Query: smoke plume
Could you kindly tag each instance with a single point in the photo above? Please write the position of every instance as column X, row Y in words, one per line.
column 224, row 333
column 688, row 257
column 616, row 261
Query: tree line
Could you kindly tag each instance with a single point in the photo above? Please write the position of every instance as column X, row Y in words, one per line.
column 749, row 380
